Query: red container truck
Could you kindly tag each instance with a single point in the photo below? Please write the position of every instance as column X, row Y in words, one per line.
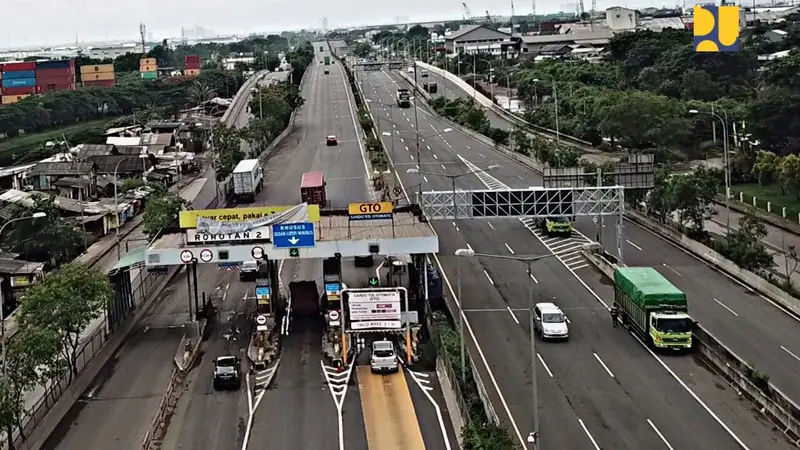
column 312, row 189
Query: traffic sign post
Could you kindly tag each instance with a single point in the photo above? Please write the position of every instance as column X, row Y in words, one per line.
column 403, row 293
column 293, row 235
column 294, row 253
column 206, row 255
column 370, row 211
column 257, row 252
column 187, row 256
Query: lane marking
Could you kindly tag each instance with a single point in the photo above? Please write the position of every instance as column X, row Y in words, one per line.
column 597, row 357
column 425, row 390
column 544, row 364
column 790, row 353
column 469, row 247
column 670, row 268
column 490, row 225
column 435, row 157
column 663, row 439
column 589, row 435
column 487, row 276
column 509, row 249
column 726, row 307
column 425, row 178
column 533, row 278
column 647, row 349
column 512, row 314
column 634, row 245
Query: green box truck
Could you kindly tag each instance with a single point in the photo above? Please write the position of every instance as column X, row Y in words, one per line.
column 327, row 60
column 653, row 307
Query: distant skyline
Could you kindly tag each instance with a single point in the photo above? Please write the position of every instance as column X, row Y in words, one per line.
column 55, row 22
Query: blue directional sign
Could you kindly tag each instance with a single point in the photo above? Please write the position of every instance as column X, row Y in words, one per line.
column 293, row 235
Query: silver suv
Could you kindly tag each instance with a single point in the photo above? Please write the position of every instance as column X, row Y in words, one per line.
column 383, row 358
column 227, row 372
column 550, row 321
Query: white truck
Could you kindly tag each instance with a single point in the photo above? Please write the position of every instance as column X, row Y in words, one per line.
column 248, row 180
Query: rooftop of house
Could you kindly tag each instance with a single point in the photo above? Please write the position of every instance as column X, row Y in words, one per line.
column 65, row 168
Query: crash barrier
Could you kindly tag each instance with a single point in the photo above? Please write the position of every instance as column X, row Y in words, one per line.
column 513, row 118
column 526, row 161
column 444, row 366
column 773, row 403
column 50, row 412
column 183, row 363
column 716, row 260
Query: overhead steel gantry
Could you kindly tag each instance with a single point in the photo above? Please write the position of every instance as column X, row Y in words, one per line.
column 530, row 203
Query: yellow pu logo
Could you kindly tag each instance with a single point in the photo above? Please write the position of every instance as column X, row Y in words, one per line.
column 716, row 29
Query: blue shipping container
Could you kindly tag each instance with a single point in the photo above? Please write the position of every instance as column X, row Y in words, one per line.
column 19, row 74
column 18, row 82
column 62, row 64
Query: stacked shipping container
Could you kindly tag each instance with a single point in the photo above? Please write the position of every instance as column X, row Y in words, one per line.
column 191, row 65
column 148, row 67
column 55, row 76
column 18, row 81
column 101, row 75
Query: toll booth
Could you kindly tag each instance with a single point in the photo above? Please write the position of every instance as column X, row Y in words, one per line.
column 332, row 278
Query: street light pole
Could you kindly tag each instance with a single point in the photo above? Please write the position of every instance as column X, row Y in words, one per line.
column 36, row 215
column 533, row 437
column 726, row 158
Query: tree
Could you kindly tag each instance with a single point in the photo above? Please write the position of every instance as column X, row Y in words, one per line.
column 744, row 246
column 47, row 239
column 361, row 49
column 486, row 436
column 161, row 213
column 64, row 303
column 790, row 261
column 227, row 147
column 789, row 174
column 200, row 93
column 766, row 167
column 520, row 141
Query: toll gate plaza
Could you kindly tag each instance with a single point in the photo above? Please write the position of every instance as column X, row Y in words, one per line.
column 376, row 229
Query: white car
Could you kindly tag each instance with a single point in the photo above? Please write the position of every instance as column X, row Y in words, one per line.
column 550, row 321
column 383, row 357
column 410, row 70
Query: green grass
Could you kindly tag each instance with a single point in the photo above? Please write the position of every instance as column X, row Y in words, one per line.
column 28, row 147
column 770, row 193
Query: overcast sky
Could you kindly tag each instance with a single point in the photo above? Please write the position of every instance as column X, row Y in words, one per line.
column 40, row 22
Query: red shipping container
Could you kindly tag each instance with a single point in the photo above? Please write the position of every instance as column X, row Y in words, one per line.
column 99, row 83
column 193, row 58
column 56, row 73
column 192, row 65
column 55, row 80
column 53, row 87
column 18, row 66
column 19, row 90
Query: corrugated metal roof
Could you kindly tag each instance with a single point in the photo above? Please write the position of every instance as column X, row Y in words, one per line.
column 73, row 182
column 87, row 150
column 63, row 168
column 120, row 164
column 123, row 140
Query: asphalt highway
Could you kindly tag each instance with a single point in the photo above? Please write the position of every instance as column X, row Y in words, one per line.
column 298, row 411
column 126, row 393
column 752, row 326
column 600, row 388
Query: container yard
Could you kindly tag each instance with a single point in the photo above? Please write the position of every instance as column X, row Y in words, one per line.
column 18, row 81
column 54, row 76
column 148, row 67
column 101, row 75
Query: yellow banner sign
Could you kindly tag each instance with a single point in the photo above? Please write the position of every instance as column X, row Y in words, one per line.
column 358, row 209
column 188, row 219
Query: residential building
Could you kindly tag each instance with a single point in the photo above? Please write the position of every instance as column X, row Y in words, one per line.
column 480, row 39
column 74, row 188
column 44, row 174
column 125, row 166
column 532, row 46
